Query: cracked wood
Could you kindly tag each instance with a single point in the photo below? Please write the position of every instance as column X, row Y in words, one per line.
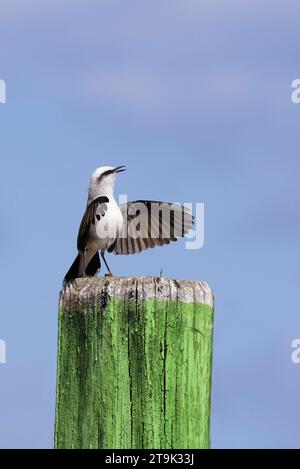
column 134, row 364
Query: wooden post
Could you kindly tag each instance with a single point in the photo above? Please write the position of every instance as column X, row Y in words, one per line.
column 134, row 364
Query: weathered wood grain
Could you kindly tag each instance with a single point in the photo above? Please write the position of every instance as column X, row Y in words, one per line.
column 134, row 364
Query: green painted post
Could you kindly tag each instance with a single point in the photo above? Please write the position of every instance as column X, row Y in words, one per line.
column 134, row 364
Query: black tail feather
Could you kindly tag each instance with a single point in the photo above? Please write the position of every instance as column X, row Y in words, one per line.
column 92, row 268
column 94, row 265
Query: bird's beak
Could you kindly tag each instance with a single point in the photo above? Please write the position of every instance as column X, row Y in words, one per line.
column 119, row 169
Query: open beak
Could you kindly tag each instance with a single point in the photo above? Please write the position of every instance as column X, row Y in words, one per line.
column 120, row 169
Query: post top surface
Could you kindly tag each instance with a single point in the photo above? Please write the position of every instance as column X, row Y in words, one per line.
column 140, row 288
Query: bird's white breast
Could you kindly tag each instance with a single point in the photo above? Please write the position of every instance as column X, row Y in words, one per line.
column 107, row 228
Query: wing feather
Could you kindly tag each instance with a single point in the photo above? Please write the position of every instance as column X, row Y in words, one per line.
column 96, row 208
column 151, row 223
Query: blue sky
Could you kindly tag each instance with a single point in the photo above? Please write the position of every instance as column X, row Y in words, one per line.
column 194, row 98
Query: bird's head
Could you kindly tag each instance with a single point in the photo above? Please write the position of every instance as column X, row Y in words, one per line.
column 102, row 181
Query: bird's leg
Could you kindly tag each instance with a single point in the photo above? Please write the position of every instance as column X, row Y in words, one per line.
column 84, row 264
column 109, row 274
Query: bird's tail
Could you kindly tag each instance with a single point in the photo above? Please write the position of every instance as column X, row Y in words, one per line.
column 75, row 270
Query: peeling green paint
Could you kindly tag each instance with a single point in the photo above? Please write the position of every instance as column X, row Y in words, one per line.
column 134, row 374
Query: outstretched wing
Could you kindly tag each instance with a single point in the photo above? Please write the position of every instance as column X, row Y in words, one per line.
column 94, row 211
column 147, row 224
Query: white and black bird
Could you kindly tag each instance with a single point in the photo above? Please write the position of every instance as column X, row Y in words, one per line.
column 122, row 229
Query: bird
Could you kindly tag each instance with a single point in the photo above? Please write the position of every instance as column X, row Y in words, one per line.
column 128, row 228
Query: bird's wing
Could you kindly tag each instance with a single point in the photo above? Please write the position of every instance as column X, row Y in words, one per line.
column 147, row 224
column 94, row 211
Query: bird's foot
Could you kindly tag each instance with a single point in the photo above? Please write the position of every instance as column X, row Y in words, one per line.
column 109, row 274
